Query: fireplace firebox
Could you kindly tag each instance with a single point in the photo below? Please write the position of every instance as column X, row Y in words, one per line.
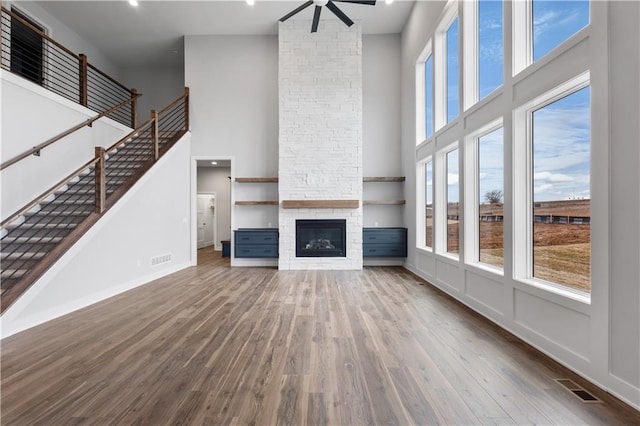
column 321, row 238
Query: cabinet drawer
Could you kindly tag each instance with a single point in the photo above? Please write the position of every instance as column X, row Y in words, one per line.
column 256, row 251
column 256, row 237
column 384, row 250
column 384, row 235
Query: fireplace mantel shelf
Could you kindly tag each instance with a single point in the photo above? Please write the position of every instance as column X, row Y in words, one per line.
column 320, row 204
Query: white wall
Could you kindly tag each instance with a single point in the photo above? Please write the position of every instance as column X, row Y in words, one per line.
column 159, row 87
column 152, row 219
column 381, row 127
column 624, row 239
column 30, row 115
column 600, row 339
column 216, row 179
column 233, row 83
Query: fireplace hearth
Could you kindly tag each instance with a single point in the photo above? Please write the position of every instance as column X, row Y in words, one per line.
column 321, row 238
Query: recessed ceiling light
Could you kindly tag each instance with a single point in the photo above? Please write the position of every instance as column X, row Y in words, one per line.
column 133, row 2
column 214, row 162
column 388, row 1
column 251, row 2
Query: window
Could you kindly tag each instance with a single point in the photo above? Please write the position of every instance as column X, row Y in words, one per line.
column 554, row 21
column 428, row 201
column 428, row 95
column 452, row 71
column 561, row 196
column 490, row 46
column 425, row 95
column 490, row 175
column 453, row 202
column 26, row 49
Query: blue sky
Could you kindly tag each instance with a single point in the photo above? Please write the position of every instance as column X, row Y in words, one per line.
column 490, row 46
column 490, row 163
column 562, row 148
column 555, row 21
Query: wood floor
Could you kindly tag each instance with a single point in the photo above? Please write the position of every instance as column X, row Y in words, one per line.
column 216, row 345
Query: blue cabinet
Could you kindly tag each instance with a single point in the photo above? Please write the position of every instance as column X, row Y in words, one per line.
column 384, row 242
column 256, row 243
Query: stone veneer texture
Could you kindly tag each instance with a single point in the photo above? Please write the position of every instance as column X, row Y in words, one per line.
column 320, row 144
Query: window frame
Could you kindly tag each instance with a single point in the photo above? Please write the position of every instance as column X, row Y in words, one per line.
column 421, row 190
column 472, row 195
column 421, row 101
column 441, row 198
column 440, row 104
column 523, row 187
column 522, row 36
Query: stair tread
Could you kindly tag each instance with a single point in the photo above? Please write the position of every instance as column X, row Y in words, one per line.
column 23, row 255
column 13, row 273
column 32, row 240
column 33, row 226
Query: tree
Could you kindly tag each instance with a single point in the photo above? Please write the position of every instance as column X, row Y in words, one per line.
column 494, row 196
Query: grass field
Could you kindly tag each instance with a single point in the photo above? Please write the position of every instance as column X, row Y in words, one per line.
column 561, row 252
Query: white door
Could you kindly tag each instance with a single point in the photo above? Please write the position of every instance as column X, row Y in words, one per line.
column 205, row 212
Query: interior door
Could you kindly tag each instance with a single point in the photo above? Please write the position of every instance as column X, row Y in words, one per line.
column 205, row 213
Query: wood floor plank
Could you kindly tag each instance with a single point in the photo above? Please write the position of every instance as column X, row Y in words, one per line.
column 219, row 345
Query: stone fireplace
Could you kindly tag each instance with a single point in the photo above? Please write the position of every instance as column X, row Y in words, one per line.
column 320, row 140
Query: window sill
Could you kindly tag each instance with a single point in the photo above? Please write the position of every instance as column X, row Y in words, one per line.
column 556, row 290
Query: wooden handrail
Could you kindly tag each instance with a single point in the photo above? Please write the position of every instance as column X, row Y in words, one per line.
column 47, row 193
column 36, row 149
column 40, row 33
column 176, row 102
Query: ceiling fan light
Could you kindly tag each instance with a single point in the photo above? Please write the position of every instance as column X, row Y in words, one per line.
column 320, row 2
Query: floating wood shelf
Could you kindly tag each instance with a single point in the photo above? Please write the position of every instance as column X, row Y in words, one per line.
column 384, row 202
column 384, row 179
column 257, row 180
column 256, row 203
column 320, row 204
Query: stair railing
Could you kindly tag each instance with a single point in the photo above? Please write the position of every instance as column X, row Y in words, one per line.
column 41, row 59
column 36, row 150
column 163, row 129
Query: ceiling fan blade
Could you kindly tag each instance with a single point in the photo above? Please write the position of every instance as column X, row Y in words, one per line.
column 340, row 14
column 316, row 19
column 299, row 9
column 367, row 2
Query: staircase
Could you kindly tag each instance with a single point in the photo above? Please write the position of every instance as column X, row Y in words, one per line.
column 34, row 238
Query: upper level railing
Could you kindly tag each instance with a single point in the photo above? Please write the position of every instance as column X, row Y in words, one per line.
column 32, row 54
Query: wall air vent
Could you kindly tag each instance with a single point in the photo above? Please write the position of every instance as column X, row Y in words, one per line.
column 158, row 260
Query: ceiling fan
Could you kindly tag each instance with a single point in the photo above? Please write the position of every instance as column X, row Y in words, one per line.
column 331, row 6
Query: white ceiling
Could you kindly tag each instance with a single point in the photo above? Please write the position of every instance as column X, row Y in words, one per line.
column 151, row 34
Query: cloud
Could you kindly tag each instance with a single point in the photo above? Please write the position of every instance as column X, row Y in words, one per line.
column 452, row 179
column 552, row 177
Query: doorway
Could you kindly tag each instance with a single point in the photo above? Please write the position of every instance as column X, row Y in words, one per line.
column 206, row 219
column 211, row 205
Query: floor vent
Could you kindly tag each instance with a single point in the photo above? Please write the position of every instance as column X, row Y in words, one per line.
column 578, row 391
column 160, row 259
